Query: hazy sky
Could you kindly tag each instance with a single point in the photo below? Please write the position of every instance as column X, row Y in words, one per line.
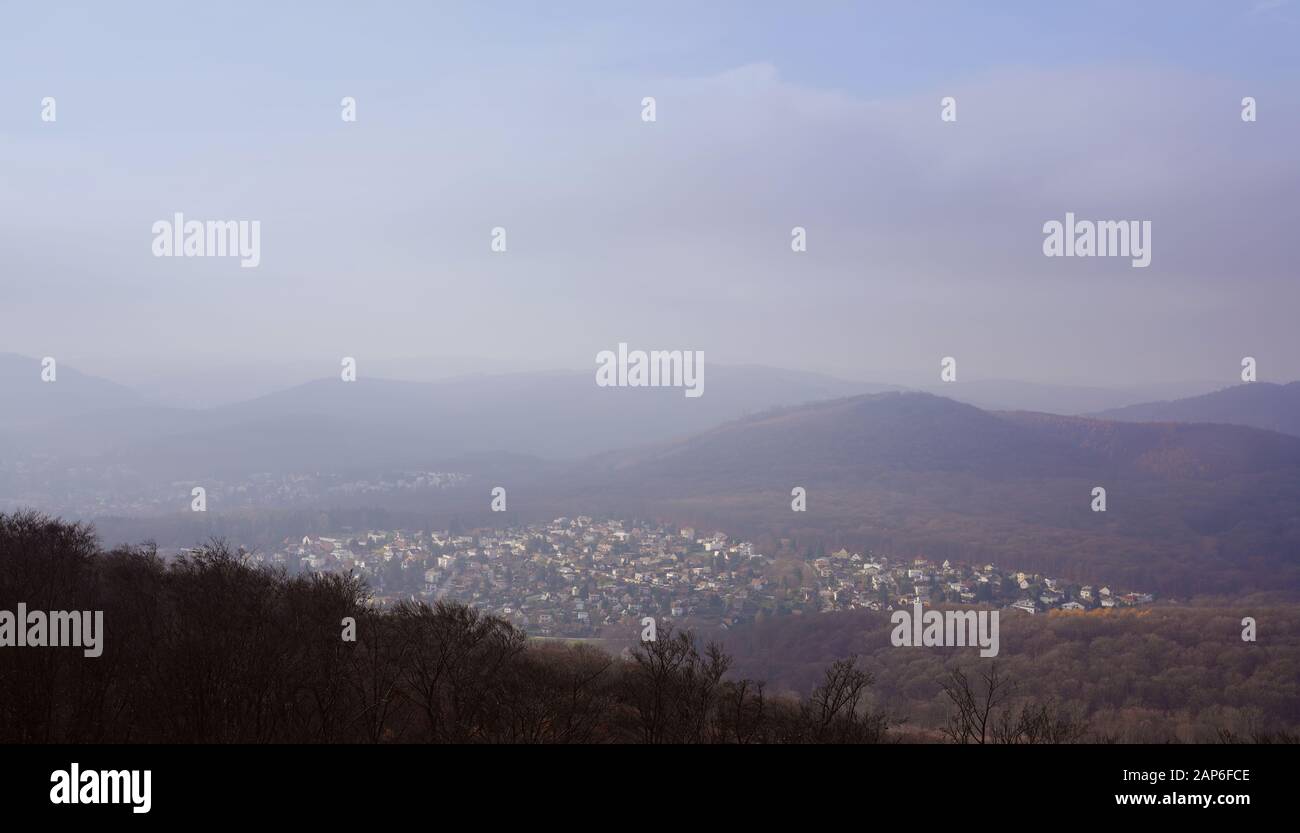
column 924, row 237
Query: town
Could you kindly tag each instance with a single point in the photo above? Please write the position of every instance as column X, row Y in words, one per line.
column 579, row 577
column 119, row 489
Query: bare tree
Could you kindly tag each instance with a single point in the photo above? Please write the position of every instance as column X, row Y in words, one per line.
column 673, row 688
column 557, row 694
column 837, row 711
column 985, row 715
column 973, row 721
column 742, row 713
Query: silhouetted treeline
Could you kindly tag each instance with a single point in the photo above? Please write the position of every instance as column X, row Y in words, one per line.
column 209, row 648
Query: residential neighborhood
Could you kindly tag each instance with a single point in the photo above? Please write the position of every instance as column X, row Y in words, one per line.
column 580, row 577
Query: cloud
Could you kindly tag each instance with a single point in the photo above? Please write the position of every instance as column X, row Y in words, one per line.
column 375, row 236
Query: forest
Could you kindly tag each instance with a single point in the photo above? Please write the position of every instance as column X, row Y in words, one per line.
column 210, row 648
column 1178, row 673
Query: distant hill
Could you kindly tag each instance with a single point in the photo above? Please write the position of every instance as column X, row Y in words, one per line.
column 1011, row 395
column 332, row 425
column 25, row 399
column 1257, row 404
column 860, row 439
column 1191, row 508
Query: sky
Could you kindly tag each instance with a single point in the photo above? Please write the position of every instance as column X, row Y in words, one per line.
column 924, row 237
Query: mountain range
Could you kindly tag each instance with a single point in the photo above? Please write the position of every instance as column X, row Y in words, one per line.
column 381, row 422
column 1266, row 405
column 1192, row 507
column 376, row 423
